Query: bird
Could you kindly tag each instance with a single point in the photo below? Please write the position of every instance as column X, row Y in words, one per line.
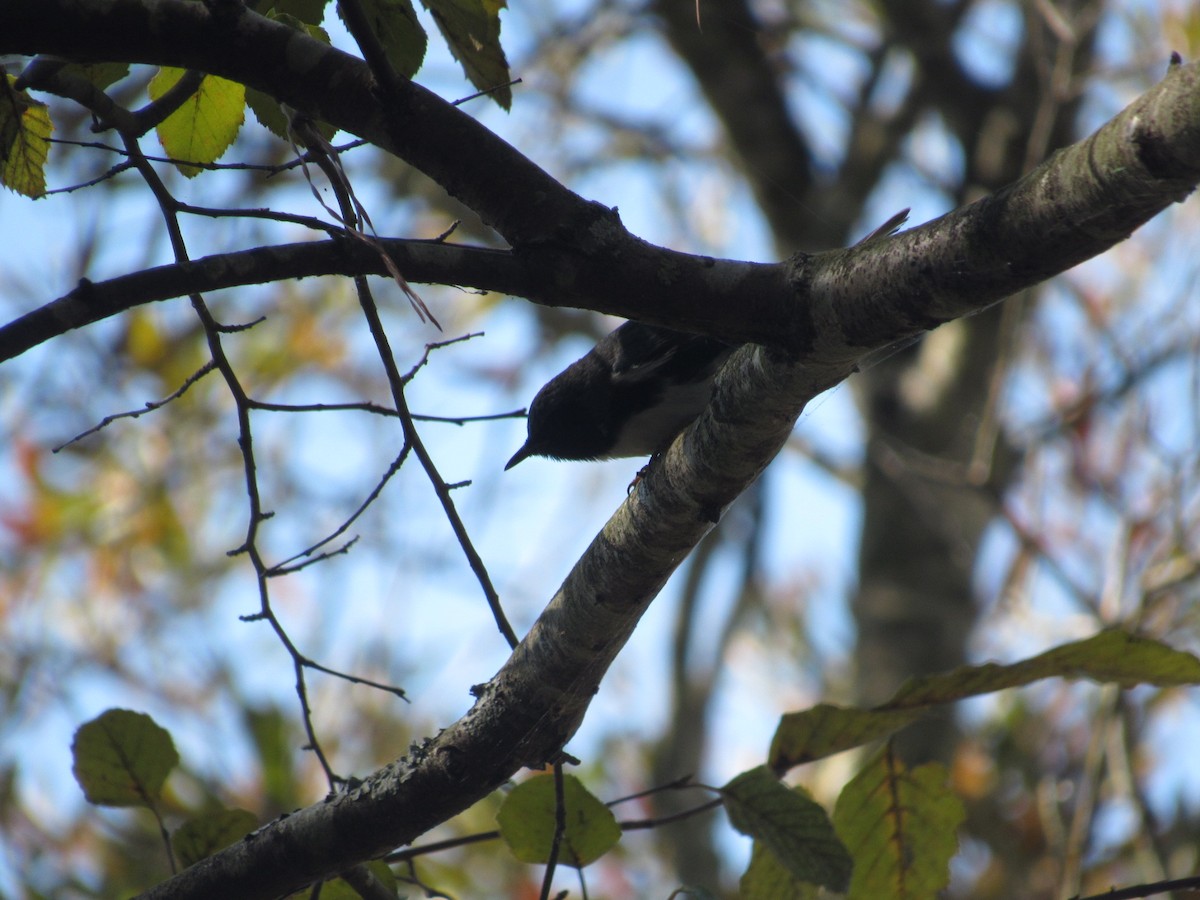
column 630, row 395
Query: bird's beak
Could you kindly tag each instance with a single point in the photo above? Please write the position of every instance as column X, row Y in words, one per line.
column 524, row 453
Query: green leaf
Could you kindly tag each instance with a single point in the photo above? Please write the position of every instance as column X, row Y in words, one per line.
column 527, row 819
column 339, row 889
column 122, row 758
column 25, row 130
column 901, row 828
column 827, row 729
column 201, row 836
column 691, row 892
column 767, row 879
column 472, row 29
column 310, row 12
column 793, row 827
column 266, row 108
column 1112, row 656
column 205, row 125
column 275, row 745
column 395, row 25
column 267, row 111
column 100, row 74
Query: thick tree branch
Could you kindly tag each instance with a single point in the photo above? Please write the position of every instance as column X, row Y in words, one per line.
column 576, row 253
column 1074, row 206
column 426, row 262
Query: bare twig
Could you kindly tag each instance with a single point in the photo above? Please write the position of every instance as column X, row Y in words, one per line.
column 269, row 168
column 560, row 828
column 1145, row 890
column 378, row 410
column 461, row 100
column 627, row 825
column 437, row 345
column 282, row 569
column 136, row 413
column 213, row 330
column 396, row 382
column 353, row 215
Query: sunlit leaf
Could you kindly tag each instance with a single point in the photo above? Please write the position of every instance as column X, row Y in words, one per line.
column 205, row 125
column 827, row 729
column 900, row 827
column 25, row 129
column 1112, row 656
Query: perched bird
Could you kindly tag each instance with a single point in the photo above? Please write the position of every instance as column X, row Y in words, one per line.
column 629, row 396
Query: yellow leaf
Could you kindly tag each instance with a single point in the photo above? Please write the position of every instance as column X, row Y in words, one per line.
column 25, row 130
column 900, row 826
column 205, row 125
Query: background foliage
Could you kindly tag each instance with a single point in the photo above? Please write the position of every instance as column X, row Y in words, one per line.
column 1015, row 482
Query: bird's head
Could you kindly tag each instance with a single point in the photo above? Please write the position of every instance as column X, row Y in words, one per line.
column 568, row 419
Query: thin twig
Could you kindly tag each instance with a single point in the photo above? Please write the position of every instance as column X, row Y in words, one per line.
column 397, row 384
column 560, row 828
column 677, row 784
column 269, row 168
column 212, row 329
column 1145, row 890
column 378, row 410
column 113, row 172
column 461, row 100
column 353, row 215
column 280, row 568
column 627, row 825
column 437, row 345
column 136, row 413
column 641, row 824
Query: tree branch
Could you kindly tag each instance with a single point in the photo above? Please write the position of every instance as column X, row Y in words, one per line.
column 1077, row 204
column 575, row 253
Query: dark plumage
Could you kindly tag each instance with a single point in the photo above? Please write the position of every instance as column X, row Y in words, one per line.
column 629, row 396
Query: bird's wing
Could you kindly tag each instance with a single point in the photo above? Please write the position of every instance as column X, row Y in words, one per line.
column 636, row 351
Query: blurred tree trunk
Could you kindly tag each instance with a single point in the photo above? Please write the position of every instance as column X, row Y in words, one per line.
column 934, row 456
